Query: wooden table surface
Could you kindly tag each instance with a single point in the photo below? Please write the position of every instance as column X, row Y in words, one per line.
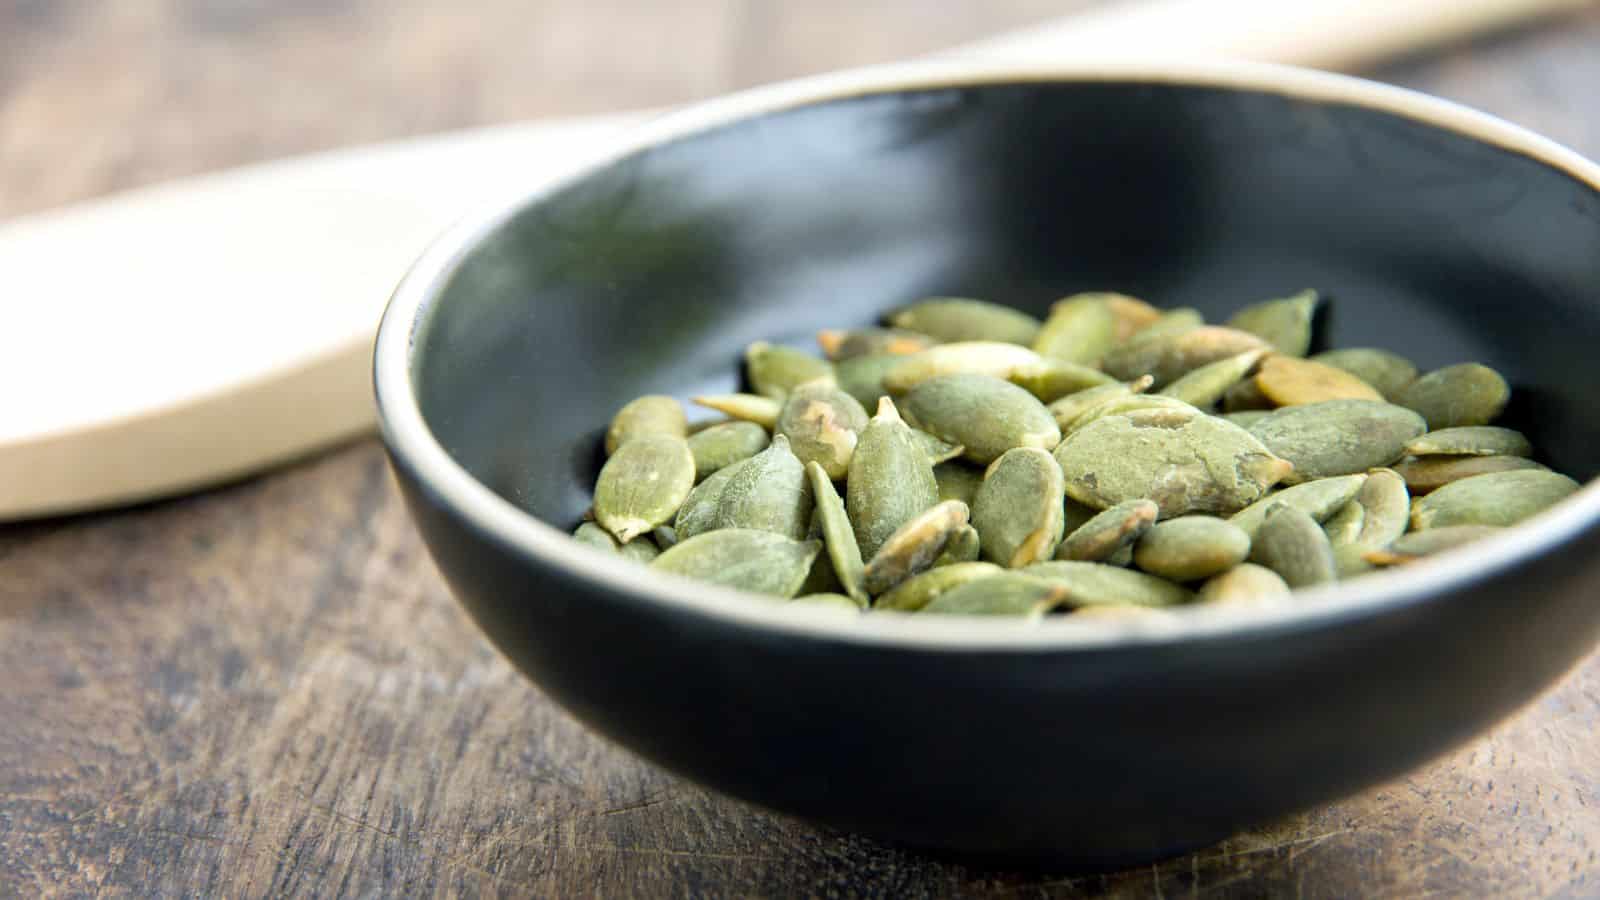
column 267, row 690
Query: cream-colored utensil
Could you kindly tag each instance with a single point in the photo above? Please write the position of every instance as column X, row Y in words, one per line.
column 179, row 336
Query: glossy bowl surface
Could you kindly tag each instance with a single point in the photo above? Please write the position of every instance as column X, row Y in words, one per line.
column 1437, row 232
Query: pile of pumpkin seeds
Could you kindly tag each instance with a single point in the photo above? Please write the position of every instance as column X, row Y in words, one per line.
column 1114, row 459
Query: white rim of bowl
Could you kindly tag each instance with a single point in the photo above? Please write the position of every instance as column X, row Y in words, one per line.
column 409, row 437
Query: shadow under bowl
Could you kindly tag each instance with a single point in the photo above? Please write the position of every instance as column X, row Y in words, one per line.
column 1437, row 232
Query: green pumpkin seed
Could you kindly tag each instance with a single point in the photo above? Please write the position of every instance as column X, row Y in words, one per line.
column 698, row 514
column 1107, row 532
column 1390, row 373
column 1350, row 560
column 641, row 549
column 1132, row 314
column 1080, row 329
column 1429, row 473
column 768, row 493
column 591, row 535
column 963, row 546
column 1184, row 461
column 992, row 358
column 918, row 591
column 957, row 480
column 1319, row 499
column 828, row 600
column 1121, row 406
column 1069, row 408
column 746, row 407
column 1471, row 440
column 890, row 480
column 1386, row 508
column 1099, row 584
column 1245, row 418
column 1245, row 397
column 1017, row 511
column 914, row 546
column 664, row 535
column 650, row 414
column 985, row 415
column 1338, row 437
column 1169, row 323
column 1246, row 584
column 823, row 425
column 1286, row 381
column 862, row 376
column 1292, row 544
column 1500, row 498
column 723, row 445
column 1005, row 594
column 1285, row 323
column 1437, row 540
column 962, row 319
column 936, row 450
column 838, row 536
column 643, row 484
column 1466, row 394
column 1344, row 526
column 774, row 370
column 1206, row 385
column 843, row 345
column 746, row 559
column 1168, row 358
column 1051, row 380
column 1191, row 548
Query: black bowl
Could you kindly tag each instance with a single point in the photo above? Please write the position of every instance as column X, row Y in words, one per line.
column 1438, row 232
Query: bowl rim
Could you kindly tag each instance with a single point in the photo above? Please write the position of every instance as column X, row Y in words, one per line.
column 414, row 446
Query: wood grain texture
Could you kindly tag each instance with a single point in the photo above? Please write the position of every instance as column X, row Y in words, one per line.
column 267, row 691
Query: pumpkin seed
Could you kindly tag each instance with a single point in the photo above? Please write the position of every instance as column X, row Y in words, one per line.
column 1429, row 473
column 769, row 492
column 838, row 537
column 1191, row 547
column 1206, row 385
column 1120, row 406
column 1499, row 498
column 1389, row 373
column 822, row 424
column 1285, row 323
column 849, row 344
column 1338, row 437
column 1344, row 526
column 1437, row 540
column 1132, row 314
column 935, row 450
column 1318, row 499
column 1068, row 408
column 1099, row 584
column 962, row 547
column 747, row 559
column 1051, row 380
column 957, row 480
column 1386, row 508
column 1168, row 358
column 1171, row 322
column 641, row 549
column 1465, row 394
column 698, row 514
column 723, row 445
column 914, row 546
column 643, row 484
column 650, row 414
column 1079, row 329
column 1292, row 544
column 774, row 370
column 664, row 535
column 1109, row 531
column 985, row 415
column 591, row 535
column 1350, row 560
column 992, row 358
column 1017, row 511
column 918, row 591
column 746, row 407
column 1246, row 584
column 1287, row 381
column 1005, row 594
column 1471, row 440
column 890, row 480
column 962, row 319
column 1184, row 461
column 862, row 376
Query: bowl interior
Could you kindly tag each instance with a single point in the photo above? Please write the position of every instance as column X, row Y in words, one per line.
column 652, row 273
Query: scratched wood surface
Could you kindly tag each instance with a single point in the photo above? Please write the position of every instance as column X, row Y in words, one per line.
column 266, row 690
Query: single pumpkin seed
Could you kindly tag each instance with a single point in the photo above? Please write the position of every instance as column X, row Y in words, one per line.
column 985, row 415
column 1005, row 594
column 1170, row 322
column 1132, row 314
column 890, row 480
column 963, row 319
column 1184, row 461
column 1245, row 418
column 774, row 370
column 828, row 600
column 1350, row 560
column 1109, row 531
column 746, row 407
column 1319, row 499
column 641, row 549
column 591, row 535
column 957, row 480
column 768, row 493
column 1426, row 474
column 1245, row 396
column 1068, row 408
column 1471, row 440
column 838, row 537
column 1099, row 584
column 1017, row 511
column 1390, row 373
column 723, row 445
column 698, row 513
column 1191, row 548
column 650, row 414
column 1284, row 323
column 746, row 559
column 1386, row 508
column 1344, row 526
column 1338, row 437
column 1246, row 584
column 1206, row 385
column 936, row 450
column 914, row 546
column 823, row 425
column 1121, row 406
column 1287, row 381
column 992, row 358
column 849, row 344
column 1292, row 544
column 1080, row 329
column 1168, row 358
column 962, row 547
column 664, row 536
column 862, row 376
column 1465, row 394
column 1051, row 380
column 643, row 484
column 1499, row 498
column 918, row 591
column 1436, row 540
